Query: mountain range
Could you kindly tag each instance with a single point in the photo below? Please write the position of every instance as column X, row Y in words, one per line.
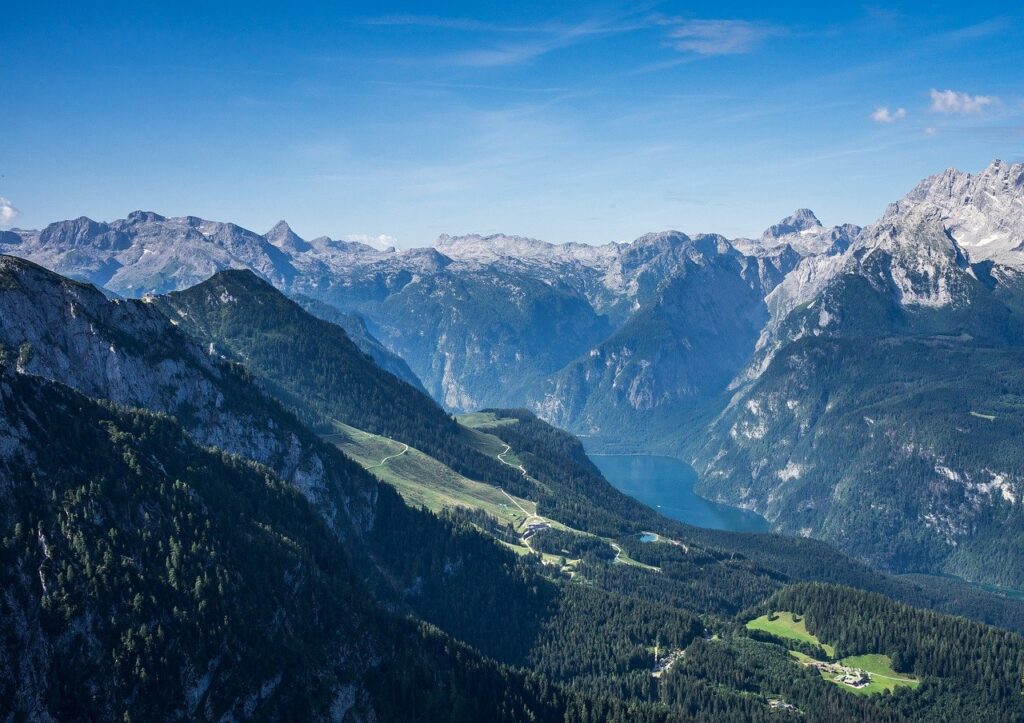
column 881, row 406
column 853, row 384
column 219, row 507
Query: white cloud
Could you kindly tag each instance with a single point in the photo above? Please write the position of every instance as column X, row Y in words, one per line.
column 882, row 114
column 381, row 242
column 930, row 131
column 951, row 101
column 7, row 213
column 720, row 37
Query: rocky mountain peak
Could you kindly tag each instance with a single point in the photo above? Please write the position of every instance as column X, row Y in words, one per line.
column 669, row 238
column 983, row 213
column 928, row 239
column 800, row 221
column 84, row 232
column 802, row 232
column 282, row 236
column 145, row 217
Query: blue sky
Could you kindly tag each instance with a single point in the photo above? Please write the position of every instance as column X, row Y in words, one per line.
column 589, row 122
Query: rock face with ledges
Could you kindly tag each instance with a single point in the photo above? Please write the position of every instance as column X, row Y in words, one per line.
column 879, row 406
column 481, row 321
column 129, row 353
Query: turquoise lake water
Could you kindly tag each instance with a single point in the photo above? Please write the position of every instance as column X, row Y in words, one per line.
column 666, row 484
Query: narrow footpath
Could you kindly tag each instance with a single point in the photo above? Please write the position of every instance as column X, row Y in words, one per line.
column 391, row 456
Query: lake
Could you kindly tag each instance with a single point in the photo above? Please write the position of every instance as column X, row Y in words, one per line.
column 666, row 484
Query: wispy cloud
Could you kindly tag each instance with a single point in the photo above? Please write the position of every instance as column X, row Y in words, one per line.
column 721, row 37
column 951, row 101
column 882, row 114
column 494, row 148
column 984, row 29
column 514, row 44
column 508, row 53
column 7, row 213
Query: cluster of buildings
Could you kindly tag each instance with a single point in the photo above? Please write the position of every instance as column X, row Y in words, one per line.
column 533, row 528
column 853, row 677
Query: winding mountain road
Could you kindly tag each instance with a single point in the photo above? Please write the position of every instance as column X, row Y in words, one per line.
column 618, row 551
column 508, row 448
column 391, row 456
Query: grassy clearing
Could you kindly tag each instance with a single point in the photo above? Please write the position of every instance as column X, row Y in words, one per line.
column 365, row 448
column 883, row 677
column 476, row 420
column 484, row 442
column 787, row 625
column 490, row 445
column 878, row 668
column 475, row 426
column 423, row 481
column 624, row 559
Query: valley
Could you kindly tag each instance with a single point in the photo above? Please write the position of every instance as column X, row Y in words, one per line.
column 506, row 549
column 667, row 485
column 416, row 362
column 798, row 372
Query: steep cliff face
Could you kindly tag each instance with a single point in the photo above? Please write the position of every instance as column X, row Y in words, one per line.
column 165, row 524
column 879, row 408
column 129, row 353
column 675, row 353
column 481, row 339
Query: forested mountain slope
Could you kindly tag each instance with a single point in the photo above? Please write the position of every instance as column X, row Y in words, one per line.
column 127, row 352
column 882, row 409
column 587, row 634
column 313, row 367
column 355, row 326
column 146, row 578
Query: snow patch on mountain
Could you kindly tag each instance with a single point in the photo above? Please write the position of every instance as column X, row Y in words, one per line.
column 983, row 213
column 930, row 238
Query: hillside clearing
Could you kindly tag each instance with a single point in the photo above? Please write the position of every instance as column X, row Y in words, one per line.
column 878, row 668
column 785, row 624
